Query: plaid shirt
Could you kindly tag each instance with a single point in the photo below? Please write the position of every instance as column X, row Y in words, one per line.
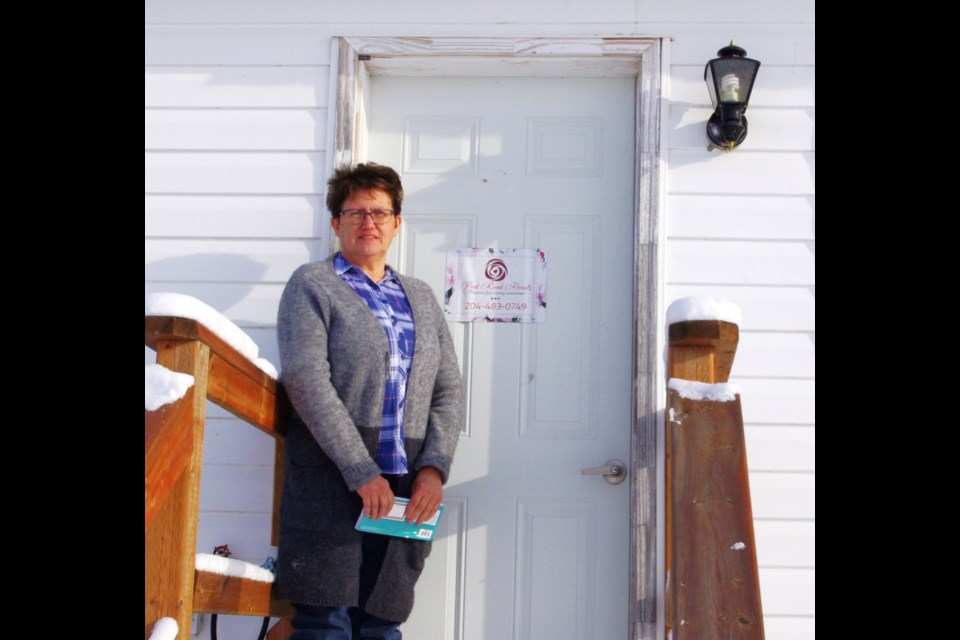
column 390, row 307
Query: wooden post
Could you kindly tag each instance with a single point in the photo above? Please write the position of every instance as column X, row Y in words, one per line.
column 170, row 542
column 703, row 350
column 713, row 588
column 168, row 449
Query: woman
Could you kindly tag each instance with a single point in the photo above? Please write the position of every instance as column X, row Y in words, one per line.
column 372, row 377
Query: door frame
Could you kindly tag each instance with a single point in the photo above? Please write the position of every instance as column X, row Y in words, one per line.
column 355, row 59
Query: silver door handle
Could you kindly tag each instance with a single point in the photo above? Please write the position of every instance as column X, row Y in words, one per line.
column 613, row 472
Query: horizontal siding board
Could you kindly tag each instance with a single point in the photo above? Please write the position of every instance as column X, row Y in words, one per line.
column 732, row 262
column 234, row 173
column 233, row 441
column 246, row 304
column 788, row 592
column 389, row 12
column 781, row 448
column 247, row 534
column 763, row 308
column 203, row 86
column 782, row 496
column 741, row 216
column 777, row 355
column 235, row 216
column 226, row 260
column 788, row 627
column 768, row 129
column 495, row 12
column 229, row 129
column 745, row 11
column 787, row 86
column 739, row 172
column 774, row 44
column 785, row 543
column 246, row 44
column 777, row 402
column 237, row 488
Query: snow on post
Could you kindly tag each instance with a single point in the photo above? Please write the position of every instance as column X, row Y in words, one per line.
column 702, row 308
column 716, row 392
column 702, row 339
column 184, row 306
column 162, row 386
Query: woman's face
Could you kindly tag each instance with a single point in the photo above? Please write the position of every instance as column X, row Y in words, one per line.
column 366, row 242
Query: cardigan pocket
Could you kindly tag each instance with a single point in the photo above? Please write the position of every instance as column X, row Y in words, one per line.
column 310, row 499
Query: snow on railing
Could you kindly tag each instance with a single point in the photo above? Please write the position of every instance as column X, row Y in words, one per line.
column 184, row 306
column 230, row 567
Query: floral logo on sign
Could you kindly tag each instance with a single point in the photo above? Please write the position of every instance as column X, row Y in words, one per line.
column 496, row 270
column 450, row 280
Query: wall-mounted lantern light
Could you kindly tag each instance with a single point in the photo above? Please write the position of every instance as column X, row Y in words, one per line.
column 729, row 79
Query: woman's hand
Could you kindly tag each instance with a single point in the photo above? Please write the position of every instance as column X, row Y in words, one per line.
column 426, row 496
column 377, row 497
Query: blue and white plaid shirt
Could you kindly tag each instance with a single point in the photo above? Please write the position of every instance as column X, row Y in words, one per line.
column 390, row 307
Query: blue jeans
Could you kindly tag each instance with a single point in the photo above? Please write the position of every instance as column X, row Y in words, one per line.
column 341, row 623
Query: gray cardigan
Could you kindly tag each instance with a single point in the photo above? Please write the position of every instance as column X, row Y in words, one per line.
column 333, row 355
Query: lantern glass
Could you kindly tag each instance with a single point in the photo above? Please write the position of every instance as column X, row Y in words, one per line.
column 730, row 80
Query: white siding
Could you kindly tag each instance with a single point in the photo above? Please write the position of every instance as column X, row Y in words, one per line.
column 740, row 227
column 236, row 97
column 235, row 130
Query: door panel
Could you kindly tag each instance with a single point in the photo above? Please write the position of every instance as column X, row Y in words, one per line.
column 528, row 548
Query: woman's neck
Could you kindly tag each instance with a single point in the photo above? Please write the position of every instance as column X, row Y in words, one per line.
column 375, row 269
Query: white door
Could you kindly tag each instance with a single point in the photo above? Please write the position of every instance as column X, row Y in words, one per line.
column 530, row 548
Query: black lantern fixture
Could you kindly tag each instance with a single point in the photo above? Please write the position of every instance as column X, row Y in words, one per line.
column 729, row 79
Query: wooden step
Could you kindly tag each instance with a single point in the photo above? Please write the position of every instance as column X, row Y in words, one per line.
column 218, row 593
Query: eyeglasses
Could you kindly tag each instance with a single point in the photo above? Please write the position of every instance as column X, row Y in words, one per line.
column 355, row 216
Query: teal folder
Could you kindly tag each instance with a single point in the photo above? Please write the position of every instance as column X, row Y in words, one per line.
column 393, row 523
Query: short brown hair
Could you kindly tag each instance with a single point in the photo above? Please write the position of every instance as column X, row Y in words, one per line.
column 363, row 177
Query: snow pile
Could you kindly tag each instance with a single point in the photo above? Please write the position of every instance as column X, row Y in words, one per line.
column 719, row 392
column 229, row 567
column 162, row 386
column 184, row 306
column 702, row 308
column 164, row 629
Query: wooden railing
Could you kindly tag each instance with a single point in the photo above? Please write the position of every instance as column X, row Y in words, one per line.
column 713, row 586
column 173, row 452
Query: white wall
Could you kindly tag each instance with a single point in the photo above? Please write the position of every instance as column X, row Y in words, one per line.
column 237, row 96
column 740, row 227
